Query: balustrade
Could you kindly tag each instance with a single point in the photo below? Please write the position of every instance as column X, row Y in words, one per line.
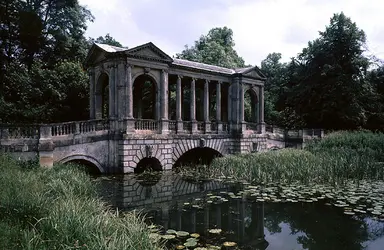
column 19, row 131
column 200, row 126
column 214, row 126
column 187, row 125
column 225, row 126
column 172, row 125
column 251, row 126
column 141, row 124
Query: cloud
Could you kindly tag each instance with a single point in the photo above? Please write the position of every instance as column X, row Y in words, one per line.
column 260, row 26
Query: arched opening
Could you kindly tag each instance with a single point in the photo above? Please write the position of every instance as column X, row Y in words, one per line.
column 102, row 97
column 144, row 97
column 148, row 164
column 250, row 106
column 85, row 166
column 197, row 157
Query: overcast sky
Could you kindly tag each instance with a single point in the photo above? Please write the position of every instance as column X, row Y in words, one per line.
column 260, row 26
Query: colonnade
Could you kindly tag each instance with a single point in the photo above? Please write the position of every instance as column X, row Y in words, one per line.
column 121, row 100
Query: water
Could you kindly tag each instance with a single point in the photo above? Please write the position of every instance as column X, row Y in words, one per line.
column 174, row 203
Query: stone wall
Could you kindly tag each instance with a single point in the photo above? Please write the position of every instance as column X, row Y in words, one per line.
column 169, row 148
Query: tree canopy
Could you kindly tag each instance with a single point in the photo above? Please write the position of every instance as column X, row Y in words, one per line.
column 107, row 39
column 42, row 47
column 216, row 48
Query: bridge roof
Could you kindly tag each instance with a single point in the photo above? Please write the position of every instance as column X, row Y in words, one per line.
column 150, row 51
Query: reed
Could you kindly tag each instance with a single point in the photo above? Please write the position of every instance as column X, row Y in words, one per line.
column 58, row 208
column 339, row 157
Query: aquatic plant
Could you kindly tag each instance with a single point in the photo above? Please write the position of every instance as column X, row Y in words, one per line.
column 58, row 208
column 338, row 157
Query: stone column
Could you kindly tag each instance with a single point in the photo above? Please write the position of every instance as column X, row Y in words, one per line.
column 193, row 106
column 229, row 111
column 129, row 101
column 111, row 86
column 207, row 123
column 92, row 113
column 218, row 107
column 179, row 105
column 98, row 98
column 261, row 109
column 164, row 101
column 242, row 122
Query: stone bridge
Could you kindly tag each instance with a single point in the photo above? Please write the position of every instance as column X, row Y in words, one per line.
column 147, row 108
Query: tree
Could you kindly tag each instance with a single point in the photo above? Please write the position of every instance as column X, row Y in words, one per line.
column 107, row 39
column 46, row 95
column 215, row 48
column 327, row 88
column 35, row 38
column 276, row 73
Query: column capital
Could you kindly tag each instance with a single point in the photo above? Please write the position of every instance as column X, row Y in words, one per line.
column 180, row 77
column 164, row 71
column 207, row 81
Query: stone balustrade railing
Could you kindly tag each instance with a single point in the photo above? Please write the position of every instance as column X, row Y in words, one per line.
column 36, row 131
column 19, row 131
column 294, row 133
column 146, row 124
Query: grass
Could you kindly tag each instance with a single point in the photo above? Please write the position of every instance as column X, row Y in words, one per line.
column 339, row 157
column 58, row 208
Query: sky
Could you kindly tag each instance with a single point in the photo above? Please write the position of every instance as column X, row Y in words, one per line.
column 259, row 27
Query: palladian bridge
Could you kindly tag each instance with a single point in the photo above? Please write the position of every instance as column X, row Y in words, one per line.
column 147, row 108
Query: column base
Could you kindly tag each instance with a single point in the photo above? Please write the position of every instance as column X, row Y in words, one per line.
column 194, row 127
column 219, row 127
column 164, row 126
column 130, row 123
column 262, row 128
column 179, row 127
column 207, row 126
column 243, row 127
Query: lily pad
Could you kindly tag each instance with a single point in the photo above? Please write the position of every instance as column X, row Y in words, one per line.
column 170, row 231
column 215, row 231
column 190, row 243
column 229, row 244
column 182, row 234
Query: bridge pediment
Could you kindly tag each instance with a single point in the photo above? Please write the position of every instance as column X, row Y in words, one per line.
column 252, row 72
column 150, row 52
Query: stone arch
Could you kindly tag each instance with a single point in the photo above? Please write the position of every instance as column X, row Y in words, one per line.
column 251, row 104
column 148, row 163
column 86, row 158
column 149, row 151
column 145, row 89
column 184, row 146
column 102, row 101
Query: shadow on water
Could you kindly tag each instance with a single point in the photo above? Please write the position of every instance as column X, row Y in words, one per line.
column 174, row 203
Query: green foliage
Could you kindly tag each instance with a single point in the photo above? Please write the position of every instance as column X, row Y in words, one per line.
column 45, row 94
column 58, row 209
column 215, row 48
column 107, row 39
column 41, row 46
column 338, row 157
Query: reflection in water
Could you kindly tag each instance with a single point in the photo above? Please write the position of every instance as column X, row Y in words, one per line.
column 173, row 203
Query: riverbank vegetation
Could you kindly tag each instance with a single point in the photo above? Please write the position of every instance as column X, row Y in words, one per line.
column 339, row 157
column 58, row 208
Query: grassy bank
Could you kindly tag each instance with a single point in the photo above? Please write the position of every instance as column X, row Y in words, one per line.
column 339, row 157
column 58, row 209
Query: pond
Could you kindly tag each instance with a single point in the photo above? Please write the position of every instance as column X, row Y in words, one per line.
column 188, row 212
